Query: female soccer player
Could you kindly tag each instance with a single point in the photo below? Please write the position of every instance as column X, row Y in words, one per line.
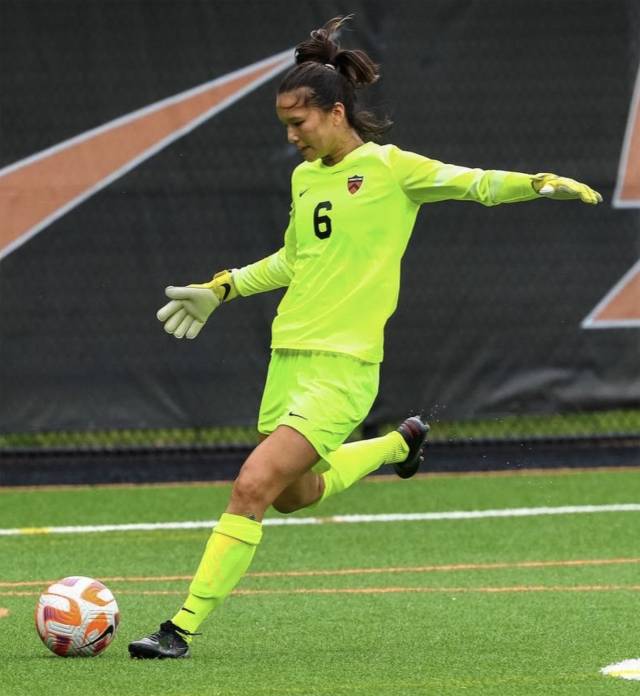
column 354, row 204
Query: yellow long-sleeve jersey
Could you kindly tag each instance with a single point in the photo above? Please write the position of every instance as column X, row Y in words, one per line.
column 349, row 227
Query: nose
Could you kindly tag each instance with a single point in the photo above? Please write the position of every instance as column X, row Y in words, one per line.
column 292, row 136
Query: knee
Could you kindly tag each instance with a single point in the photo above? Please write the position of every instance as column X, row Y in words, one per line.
column 250, row 493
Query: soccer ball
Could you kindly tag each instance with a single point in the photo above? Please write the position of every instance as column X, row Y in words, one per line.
column 77, row 616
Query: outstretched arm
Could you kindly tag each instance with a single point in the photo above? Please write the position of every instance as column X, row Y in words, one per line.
column 427, row 181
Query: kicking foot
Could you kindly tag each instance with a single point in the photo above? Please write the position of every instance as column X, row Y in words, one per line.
column 414, row 432
column 168, row 642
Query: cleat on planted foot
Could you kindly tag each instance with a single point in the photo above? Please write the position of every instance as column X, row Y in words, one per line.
column 414, row 432
column 168, row 642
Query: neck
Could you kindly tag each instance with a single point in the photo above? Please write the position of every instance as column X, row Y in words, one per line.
column 349, row 144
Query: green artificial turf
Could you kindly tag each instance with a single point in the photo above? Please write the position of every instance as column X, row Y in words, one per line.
column 409, row 627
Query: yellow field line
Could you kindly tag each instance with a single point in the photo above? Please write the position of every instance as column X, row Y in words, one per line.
column 457, row 567
column 448, row 567
column 491, row 590
column 381, row 590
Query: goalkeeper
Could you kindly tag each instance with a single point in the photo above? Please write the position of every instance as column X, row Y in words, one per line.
column 354, row 205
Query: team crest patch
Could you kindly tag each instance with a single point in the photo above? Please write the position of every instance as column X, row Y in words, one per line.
column 354, row 183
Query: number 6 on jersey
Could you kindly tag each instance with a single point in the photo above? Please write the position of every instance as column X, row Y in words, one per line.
column 322, row 223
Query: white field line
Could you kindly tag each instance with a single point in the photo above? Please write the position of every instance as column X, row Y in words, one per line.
column 335, row 519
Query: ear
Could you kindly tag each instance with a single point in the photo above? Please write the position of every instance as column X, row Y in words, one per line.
column 338, row 113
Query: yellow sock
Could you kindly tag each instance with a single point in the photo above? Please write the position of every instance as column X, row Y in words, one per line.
column 226, row 559
column 355, row 460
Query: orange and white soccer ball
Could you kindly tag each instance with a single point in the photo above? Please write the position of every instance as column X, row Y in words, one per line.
column 77, row 616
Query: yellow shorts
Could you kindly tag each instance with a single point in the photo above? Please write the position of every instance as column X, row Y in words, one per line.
column 324, row 396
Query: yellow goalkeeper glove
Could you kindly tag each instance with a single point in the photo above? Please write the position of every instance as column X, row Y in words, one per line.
column 560, row 188
column 191, row 305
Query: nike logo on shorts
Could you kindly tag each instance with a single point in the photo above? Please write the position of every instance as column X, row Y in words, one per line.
column 297, row 415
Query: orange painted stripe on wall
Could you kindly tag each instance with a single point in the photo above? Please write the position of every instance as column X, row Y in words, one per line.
column 630, row 190
column 625, row 304
column 31, row 193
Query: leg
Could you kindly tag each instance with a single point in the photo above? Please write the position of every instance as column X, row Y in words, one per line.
column 304, row 491
column 351, row 462
column 327, row 398
column 301, row 493
column 281, row 460
column 278, row 461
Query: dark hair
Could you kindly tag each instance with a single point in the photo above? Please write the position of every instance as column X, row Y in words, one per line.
column 332, row 74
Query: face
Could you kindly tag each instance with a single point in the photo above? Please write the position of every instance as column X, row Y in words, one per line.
column 316, row 133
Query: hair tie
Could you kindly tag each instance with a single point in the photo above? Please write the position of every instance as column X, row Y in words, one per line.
column 328, row 65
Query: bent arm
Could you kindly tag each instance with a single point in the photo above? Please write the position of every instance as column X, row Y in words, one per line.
column 191, row 305
column 274, row 271
column 269, row 273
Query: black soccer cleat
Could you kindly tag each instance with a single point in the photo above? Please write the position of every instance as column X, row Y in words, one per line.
column 168, row 642
column 414, row 432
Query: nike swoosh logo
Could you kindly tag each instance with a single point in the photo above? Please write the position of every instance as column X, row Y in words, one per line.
column 104, row 634
column 45, row 186
column 227, row 290
column 302, row 193
column 297, row 415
